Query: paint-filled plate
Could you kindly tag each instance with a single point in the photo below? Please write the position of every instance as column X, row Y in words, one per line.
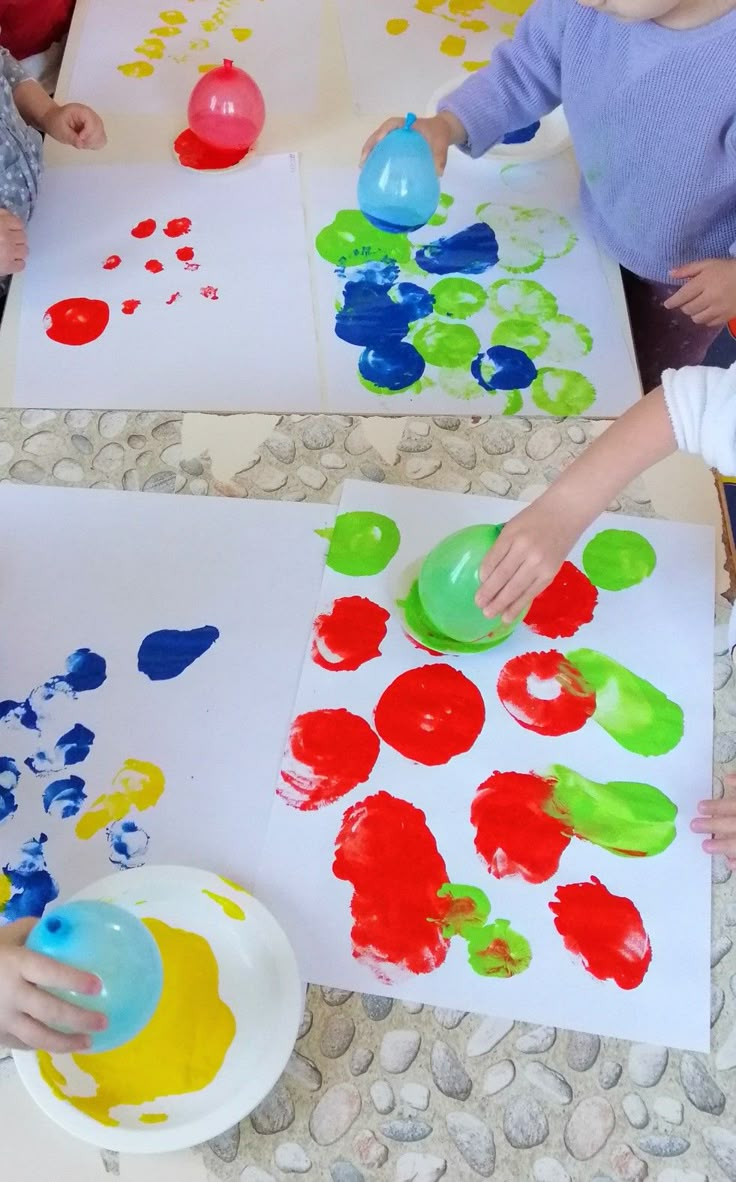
column 550, row 137
column 222, row 1034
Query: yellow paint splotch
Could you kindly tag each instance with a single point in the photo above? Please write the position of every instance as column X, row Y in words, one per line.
column 136, row 69
column 235, row 886
column 396, row 26
column 6, row 890
column 166, row 31
column 182, row 1048
column 138, row 784
column 474, row 26
column 152, row 47
column 242, row 34
column 153, row 1118
column 231, row 909
column 452, row 46
column 172, row 16
column 200, row 44
column 205, row 69
column 471, row 67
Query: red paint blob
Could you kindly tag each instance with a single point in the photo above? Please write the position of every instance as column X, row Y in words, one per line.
column 177, row 226
column 570, row 707
column 76, row 321
column 564, row 606
column 195, row 153
column 349, row 634
column 144, row 229
column 330, row 753
column 128, row 307
column 430, row 714
column 209, row 293
column 732, row 328
column 185, row 254
column 606, row 931
column 111, row 262
column 386, row 851
column 513, row 833
column 154, row 266
column 176, row 295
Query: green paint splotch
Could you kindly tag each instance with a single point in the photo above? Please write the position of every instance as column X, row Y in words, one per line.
column 448, row 346
column 468, row 910
column 631, row 710
column 350, row 240
column 419, row 627
column 498, row 951
column 521, row 298
column 624, row 817
column 361, row 543
column 445, row 204
column 616, row 559
column 458, row 298
column 562, row 391
column 521, row 332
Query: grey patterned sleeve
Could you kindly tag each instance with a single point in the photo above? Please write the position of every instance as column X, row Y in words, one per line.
column 13, row 70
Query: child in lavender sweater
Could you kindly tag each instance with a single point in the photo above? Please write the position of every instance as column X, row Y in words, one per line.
column 648, row 90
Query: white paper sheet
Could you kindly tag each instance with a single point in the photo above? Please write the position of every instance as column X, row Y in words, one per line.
column 276, row 41
column 579, row 281
column 663, row 631
column 250, row 348
column 398, row 56
column 102, row 570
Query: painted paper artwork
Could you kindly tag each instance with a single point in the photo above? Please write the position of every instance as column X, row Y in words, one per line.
column 137, row 708
column 502, row 305
column 141, row 292
column 400, row 52
column 446, row 825
column 143, row 58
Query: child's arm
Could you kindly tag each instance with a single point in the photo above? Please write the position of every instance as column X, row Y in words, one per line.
column 72, row 124
column 27, row 1011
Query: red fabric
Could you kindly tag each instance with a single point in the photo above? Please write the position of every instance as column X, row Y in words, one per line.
column 28, row 27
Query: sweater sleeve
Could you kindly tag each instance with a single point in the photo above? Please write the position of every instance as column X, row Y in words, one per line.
column 13, row 70
column 521, row 83
column 701, row 402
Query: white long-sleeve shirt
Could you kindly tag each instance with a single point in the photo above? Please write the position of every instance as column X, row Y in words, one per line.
column 701, row 401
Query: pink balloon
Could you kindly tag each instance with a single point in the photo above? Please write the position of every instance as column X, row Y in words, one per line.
column 226, row 108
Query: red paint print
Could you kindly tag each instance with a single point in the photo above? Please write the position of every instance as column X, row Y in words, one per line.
column 430, row 714
column 111, row 262
column 195, row 153
column 387, row 853
column 144, row 229
column 349, row 634
column 545, row 693
column 417, row 644
column 176, row 295
column 191, row 266
column 513, row 832
column 185, row 254
column 564, row 606
column 154, row 266
column 331, row 752
column 177, row 227
column 209, row 293
column 606, row 931
column 128, row 307
column 76, row 321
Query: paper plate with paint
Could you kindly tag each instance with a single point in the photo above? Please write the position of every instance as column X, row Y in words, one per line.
column 222, row 1034
column 538, row 141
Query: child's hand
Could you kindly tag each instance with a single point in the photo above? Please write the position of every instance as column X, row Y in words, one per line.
column 13, row 245
column 709, row 295
column 440, row 132
column 27, row 1011
column 718, row 817
column 76, row 125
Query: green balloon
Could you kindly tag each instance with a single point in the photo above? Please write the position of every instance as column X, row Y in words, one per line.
column 449, row 579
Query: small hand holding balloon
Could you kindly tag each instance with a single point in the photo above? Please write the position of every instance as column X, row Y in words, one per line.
column 398, row 189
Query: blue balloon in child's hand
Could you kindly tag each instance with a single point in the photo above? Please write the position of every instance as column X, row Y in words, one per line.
column 398, row 189
column 115, row 946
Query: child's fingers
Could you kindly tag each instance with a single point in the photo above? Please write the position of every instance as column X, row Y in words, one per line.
column 717, row 808
column 55, row 1012
column 720, row 845
column 52, row 974
column 686, row 272
column 517, row 579
column 684, row 296
column 378, row 135
column 35, row 1036
column 493, row 585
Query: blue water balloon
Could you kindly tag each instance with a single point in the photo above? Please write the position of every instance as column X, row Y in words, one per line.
column 398, row 189
column 113, row 944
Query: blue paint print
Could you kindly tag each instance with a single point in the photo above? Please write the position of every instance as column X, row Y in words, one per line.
column 33, row 886
column 9, row 777
column 391, row 366
column 20, row 712
column 382, row 275
column 73, row 747
column 469, row 252
column 417, row 302
column 509, row 369
column 64, row 798
column 164, row 655
column 522, row 136
column 128, row 844
column 84, row 671
column 373, row 314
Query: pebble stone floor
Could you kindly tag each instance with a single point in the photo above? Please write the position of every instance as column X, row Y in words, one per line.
column 385, row 1092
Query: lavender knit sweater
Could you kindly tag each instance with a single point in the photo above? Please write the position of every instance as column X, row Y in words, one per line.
column 652, row 114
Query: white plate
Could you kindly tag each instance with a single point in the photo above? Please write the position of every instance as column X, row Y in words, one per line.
column 258, row 982
column 553, row 135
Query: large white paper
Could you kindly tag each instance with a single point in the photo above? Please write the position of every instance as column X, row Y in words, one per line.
column 102, row 570
column 225, row 324
column 400, row 52
column 660, row 629
column 541, row 240
column 139, row 59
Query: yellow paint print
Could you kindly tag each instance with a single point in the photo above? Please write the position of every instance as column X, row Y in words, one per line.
column 199, row 45
column 452, row 46
column 166, row 31
column 6, row 890
column 471, row 67
column 474, row 26
column 172, row 16
column 235, row 886
column 205, row 69
column 466, row 15
column 136, row 69
column 242, row 34
column 396, row 26
column 182, row 1048
column 152, row 47
column 231, row 909
column 139, row 785
column 153, row 1118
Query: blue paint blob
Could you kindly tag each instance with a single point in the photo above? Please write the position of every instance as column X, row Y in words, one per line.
column 8, row 804
column 64, row 798
column 21, row 712
column 416, row 300
column 128, row 844
column 379, row 274
column 512, row 369
column 168, row 653
column 369, row 316
column 73, row 747
column 33, row 886
column 9, row 777
column 469, row 252
column 391, row 366
column 85, row 671
column 522, row 136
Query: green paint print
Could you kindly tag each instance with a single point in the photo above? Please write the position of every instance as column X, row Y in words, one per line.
column 631, row 710
column 498, row 951
column 521, row 332
column 562, row 392
column 616, row 559
column 522, row 298
column 350, row 240
column 440, row 217
column 458, row 298
column 626, row 818
column 418, row 626
column 568, row 340
column 361, row 543
column 527, row 237
column 468, row 911
column 448, row 346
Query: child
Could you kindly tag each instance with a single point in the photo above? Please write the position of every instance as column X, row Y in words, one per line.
column 694, row 410
column 648, row 90
column 27, row 1012
column 25, row 111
